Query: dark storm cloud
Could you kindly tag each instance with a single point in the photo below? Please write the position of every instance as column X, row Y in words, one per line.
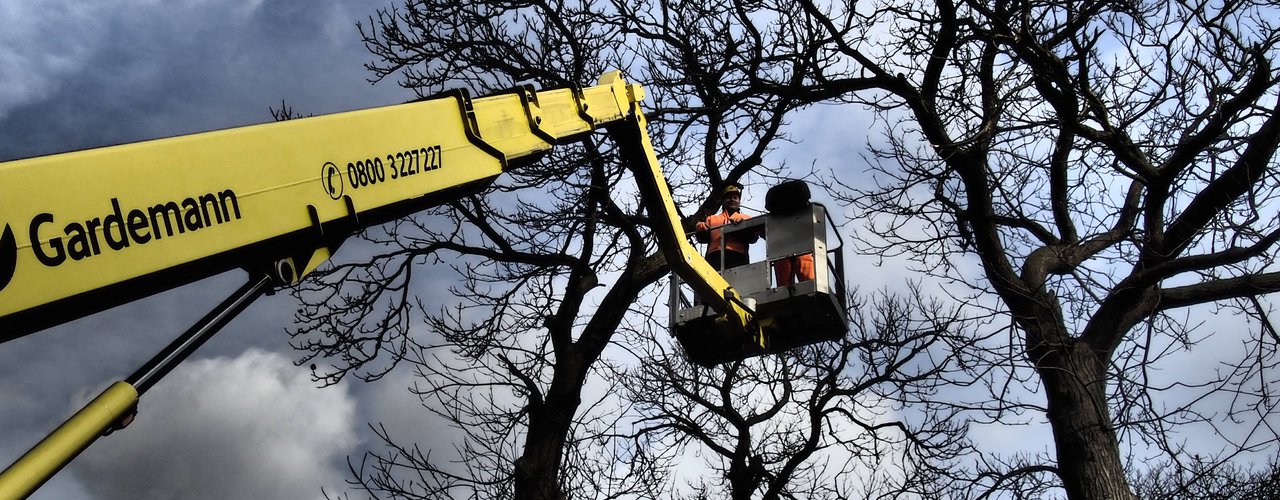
column 77, row 74
column 106, row 76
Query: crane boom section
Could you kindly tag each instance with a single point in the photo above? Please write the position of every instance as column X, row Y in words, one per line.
column 714, row 290
column 88, row 230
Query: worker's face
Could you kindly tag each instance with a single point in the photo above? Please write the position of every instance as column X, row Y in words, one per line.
column 732, row 201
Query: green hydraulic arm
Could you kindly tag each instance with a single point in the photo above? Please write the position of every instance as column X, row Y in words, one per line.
column 88, row 230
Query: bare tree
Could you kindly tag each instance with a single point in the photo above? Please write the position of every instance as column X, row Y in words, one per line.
column 551, row 258
column 850, row 419
column 1207, row 480
column 1107, row 164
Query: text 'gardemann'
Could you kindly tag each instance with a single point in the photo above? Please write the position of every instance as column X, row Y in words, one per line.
column 137, row 226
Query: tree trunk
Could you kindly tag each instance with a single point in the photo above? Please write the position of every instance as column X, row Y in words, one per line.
column 537, row 471
column 1089, row 462
column 743, row 478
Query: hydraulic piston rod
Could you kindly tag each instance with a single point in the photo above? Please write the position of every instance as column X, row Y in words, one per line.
column 114, row 408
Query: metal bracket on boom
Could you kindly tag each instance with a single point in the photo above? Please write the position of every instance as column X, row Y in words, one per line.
column 533, row 111
column 329, row 235
column 581, row 101
column 470, row 126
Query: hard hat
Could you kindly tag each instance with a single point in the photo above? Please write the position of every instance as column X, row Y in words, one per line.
column 732, row 187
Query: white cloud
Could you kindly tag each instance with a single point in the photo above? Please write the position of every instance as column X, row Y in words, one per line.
column 47, row 43
column 42, row 43
column 249, row 427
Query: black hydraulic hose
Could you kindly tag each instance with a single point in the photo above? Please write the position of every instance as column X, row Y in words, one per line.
column 182, row 347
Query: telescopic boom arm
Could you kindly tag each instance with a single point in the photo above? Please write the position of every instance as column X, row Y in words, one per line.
column 88, row 230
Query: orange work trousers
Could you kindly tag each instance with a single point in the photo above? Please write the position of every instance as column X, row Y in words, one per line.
column 793, row 270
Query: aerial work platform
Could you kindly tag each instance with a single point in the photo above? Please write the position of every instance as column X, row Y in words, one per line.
column 793, row 307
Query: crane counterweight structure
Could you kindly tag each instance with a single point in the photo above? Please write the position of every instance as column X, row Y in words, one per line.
column 88, row 230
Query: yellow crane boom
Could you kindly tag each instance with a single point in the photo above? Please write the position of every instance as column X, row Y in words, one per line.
column 88, row 230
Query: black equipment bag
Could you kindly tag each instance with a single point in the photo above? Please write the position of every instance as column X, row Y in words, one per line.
column 790, row 196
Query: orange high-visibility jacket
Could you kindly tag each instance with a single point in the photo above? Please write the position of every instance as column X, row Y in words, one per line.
column 736, row 242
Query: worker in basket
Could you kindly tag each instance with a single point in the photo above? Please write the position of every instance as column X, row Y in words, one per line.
column 790, row 197
column 727, row 248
